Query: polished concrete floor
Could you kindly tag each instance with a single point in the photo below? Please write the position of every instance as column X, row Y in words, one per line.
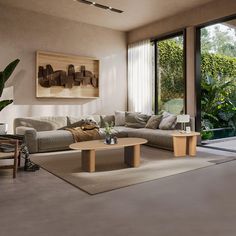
column 196, row 203
column 228, row 143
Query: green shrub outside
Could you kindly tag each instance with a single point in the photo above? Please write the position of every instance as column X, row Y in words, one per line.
column 218, row 83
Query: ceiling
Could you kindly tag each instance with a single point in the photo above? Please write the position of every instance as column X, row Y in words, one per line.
column 136, row 12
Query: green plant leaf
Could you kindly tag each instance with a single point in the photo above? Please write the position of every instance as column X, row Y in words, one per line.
column 4, row 75
column 5, row 103
column 9, row 69
column 2, row 83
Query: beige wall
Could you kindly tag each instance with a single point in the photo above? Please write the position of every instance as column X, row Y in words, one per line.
column 211, row 11
column 208, row 12
column 23, row 32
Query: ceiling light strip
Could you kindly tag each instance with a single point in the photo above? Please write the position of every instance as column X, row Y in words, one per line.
column 100, row 6
column 85, row 2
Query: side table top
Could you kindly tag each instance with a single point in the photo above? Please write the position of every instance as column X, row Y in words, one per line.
column 179, row 134
column 99, row 144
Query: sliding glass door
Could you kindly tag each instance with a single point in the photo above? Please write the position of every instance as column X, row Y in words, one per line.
column 170, row 74
column 218, row 80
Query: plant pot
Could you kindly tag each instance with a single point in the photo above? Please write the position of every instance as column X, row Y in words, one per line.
column 108, row 139
column 3, row 128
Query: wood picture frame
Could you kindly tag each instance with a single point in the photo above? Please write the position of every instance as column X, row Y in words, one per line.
column 66, row 76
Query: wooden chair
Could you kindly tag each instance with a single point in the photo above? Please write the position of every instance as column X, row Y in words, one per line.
column 10, row 155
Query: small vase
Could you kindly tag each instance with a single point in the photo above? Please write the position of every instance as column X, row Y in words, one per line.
column 108, row 139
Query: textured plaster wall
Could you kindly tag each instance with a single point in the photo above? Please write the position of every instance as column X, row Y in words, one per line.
column 22, row 33
column 189, row 20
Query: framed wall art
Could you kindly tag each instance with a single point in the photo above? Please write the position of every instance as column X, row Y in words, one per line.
column 66, row 76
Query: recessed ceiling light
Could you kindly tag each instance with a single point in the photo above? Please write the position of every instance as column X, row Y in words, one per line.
column 99, row 6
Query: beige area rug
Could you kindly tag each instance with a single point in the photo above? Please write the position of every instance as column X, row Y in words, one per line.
column 111, row 172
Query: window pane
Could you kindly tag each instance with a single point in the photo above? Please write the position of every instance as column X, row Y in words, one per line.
column 218, row 81
column 170, row 75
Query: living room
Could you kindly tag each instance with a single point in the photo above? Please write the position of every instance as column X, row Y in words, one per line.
column 45, row 201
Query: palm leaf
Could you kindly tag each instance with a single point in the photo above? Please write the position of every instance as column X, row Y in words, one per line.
column 2, row 83
column 9, row 69
column 5, row 103
column 4, row 75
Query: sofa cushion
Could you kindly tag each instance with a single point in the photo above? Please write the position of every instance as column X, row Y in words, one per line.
column 155, row 137
column 168, row 121
column 110, row 119
column 54, row 140
column 119, row 118
column 154, row 122
column 135, row 119
column 42, row 123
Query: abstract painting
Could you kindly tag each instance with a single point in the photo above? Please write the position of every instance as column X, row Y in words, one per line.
column 66, row 76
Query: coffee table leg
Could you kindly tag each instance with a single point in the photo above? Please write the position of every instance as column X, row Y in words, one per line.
column 132, row 156
column 179, row 146
column 88, row 160
column 192, row 143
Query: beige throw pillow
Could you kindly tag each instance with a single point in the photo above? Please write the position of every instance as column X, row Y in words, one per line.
column 135, row 119
column 110, row 119
column 168, row 121
column 119, row 118
column 154, row 122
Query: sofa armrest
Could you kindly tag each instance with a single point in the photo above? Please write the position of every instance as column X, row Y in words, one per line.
column 30, row 137
column 22, row 130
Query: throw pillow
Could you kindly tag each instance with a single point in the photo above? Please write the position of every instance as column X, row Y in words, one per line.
column 135, row 119
column 168, row 121
column 154, row 122
column 119, row 118
column 110, row 119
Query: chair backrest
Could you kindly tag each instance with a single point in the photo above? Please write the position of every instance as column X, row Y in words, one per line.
column 9, row 144
column 11, row 152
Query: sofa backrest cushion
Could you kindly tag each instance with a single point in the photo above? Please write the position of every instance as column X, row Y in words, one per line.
column 45, row 123
column 110, row 119
column 119, row 118
column 136, row 119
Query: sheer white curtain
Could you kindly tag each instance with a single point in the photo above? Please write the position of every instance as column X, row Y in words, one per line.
column 140, row 77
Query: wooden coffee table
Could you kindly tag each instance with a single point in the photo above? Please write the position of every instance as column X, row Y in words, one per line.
column 131, row 151
column 185, row 143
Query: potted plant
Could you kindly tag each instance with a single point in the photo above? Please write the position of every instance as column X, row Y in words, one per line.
column 108, row 132
column 4, row 76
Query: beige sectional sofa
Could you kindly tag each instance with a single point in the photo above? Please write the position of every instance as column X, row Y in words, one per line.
column 44, row 134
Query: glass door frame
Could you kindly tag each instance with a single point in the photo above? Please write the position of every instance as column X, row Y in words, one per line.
column 198, row 64
column 181, row 32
